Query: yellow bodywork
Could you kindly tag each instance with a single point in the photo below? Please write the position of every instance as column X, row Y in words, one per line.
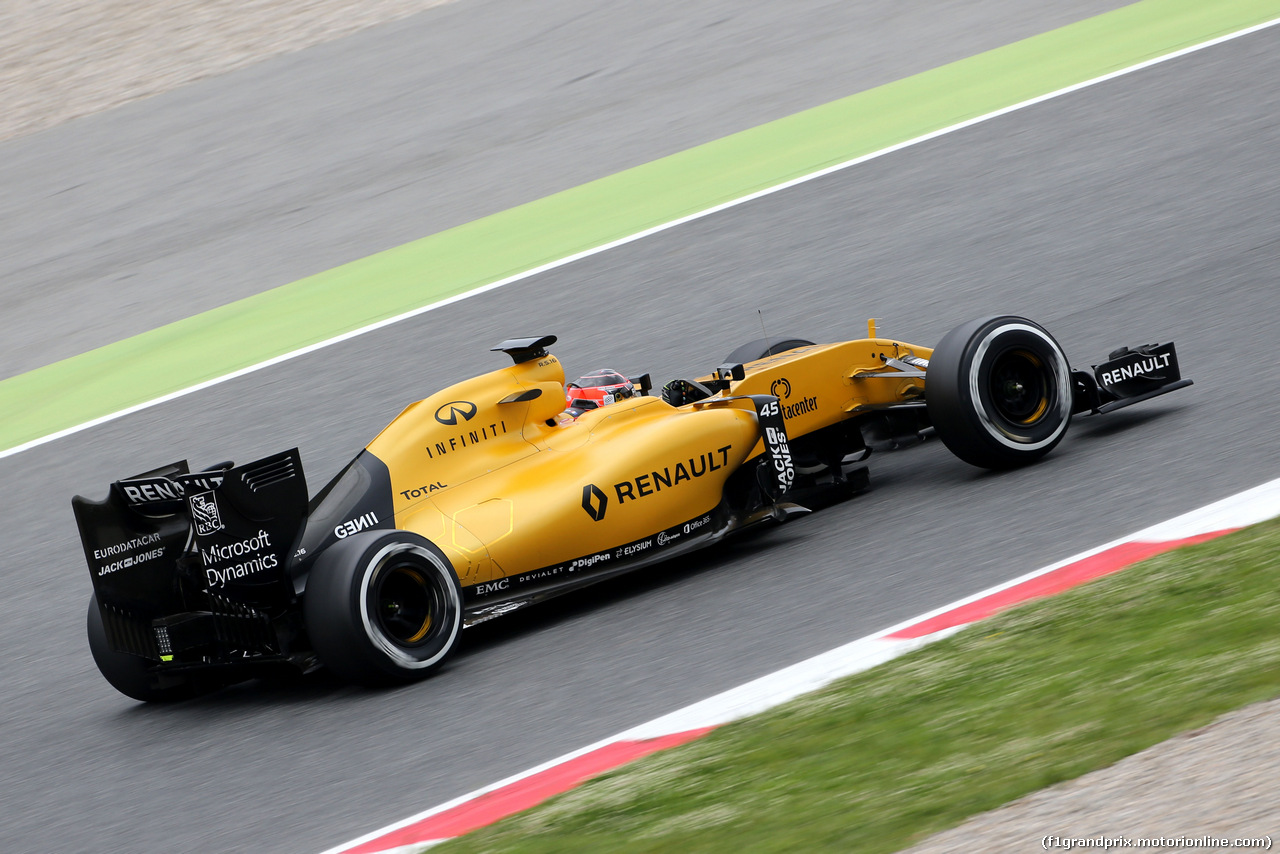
column 822, row 384
column 493, row 473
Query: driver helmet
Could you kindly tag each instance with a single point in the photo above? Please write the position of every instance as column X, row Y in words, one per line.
column 596, row 389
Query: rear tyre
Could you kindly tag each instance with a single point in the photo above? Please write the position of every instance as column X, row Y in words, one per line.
column 130, row 675
column 762, row 347
column 383, row 607
column 998, row 391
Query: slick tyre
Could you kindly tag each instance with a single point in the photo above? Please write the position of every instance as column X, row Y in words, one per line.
column 383, row 607
column 130, row 675
column 998, row 392
column 762, row 347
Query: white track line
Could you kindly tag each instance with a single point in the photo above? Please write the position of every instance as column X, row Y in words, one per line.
column 622, row 241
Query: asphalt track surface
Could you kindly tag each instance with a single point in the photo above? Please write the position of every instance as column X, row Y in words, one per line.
column 117, row 223
column 1141, row 209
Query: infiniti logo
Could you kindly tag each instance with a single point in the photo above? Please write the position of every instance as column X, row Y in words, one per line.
column 451, row 411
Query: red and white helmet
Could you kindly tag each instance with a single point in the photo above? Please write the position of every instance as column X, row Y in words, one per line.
column 596, row 389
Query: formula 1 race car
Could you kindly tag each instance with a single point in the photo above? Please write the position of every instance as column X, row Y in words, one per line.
column 487, row 496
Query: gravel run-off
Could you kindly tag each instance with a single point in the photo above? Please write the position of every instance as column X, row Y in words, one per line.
column 60, row 59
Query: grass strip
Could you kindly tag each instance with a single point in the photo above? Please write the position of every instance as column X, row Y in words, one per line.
column 1037, row 695
column 247, row 332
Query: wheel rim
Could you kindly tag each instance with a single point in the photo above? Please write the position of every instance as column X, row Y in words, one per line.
column 409, row 606
column 406, row 603
column 1019, row 387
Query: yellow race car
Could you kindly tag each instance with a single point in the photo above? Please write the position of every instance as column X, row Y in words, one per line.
column 493, row 494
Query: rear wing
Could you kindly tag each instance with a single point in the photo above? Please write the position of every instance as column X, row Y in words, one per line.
column 174, row 542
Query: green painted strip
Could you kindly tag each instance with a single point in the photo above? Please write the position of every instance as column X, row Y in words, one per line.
column 244, row 333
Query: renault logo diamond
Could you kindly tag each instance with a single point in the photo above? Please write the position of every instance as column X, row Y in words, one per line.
column 594, row 501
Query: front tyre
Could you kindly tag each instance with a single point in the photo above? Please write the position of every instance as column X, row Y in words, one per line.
column 998, row 391
column 383, row 607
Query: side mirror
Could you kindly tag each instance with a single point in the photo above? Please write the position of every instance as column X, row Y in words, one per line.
column 730, row 371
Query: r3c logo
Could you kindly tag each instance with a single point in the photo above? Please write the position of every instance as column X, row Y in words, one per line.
column 454, row 409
